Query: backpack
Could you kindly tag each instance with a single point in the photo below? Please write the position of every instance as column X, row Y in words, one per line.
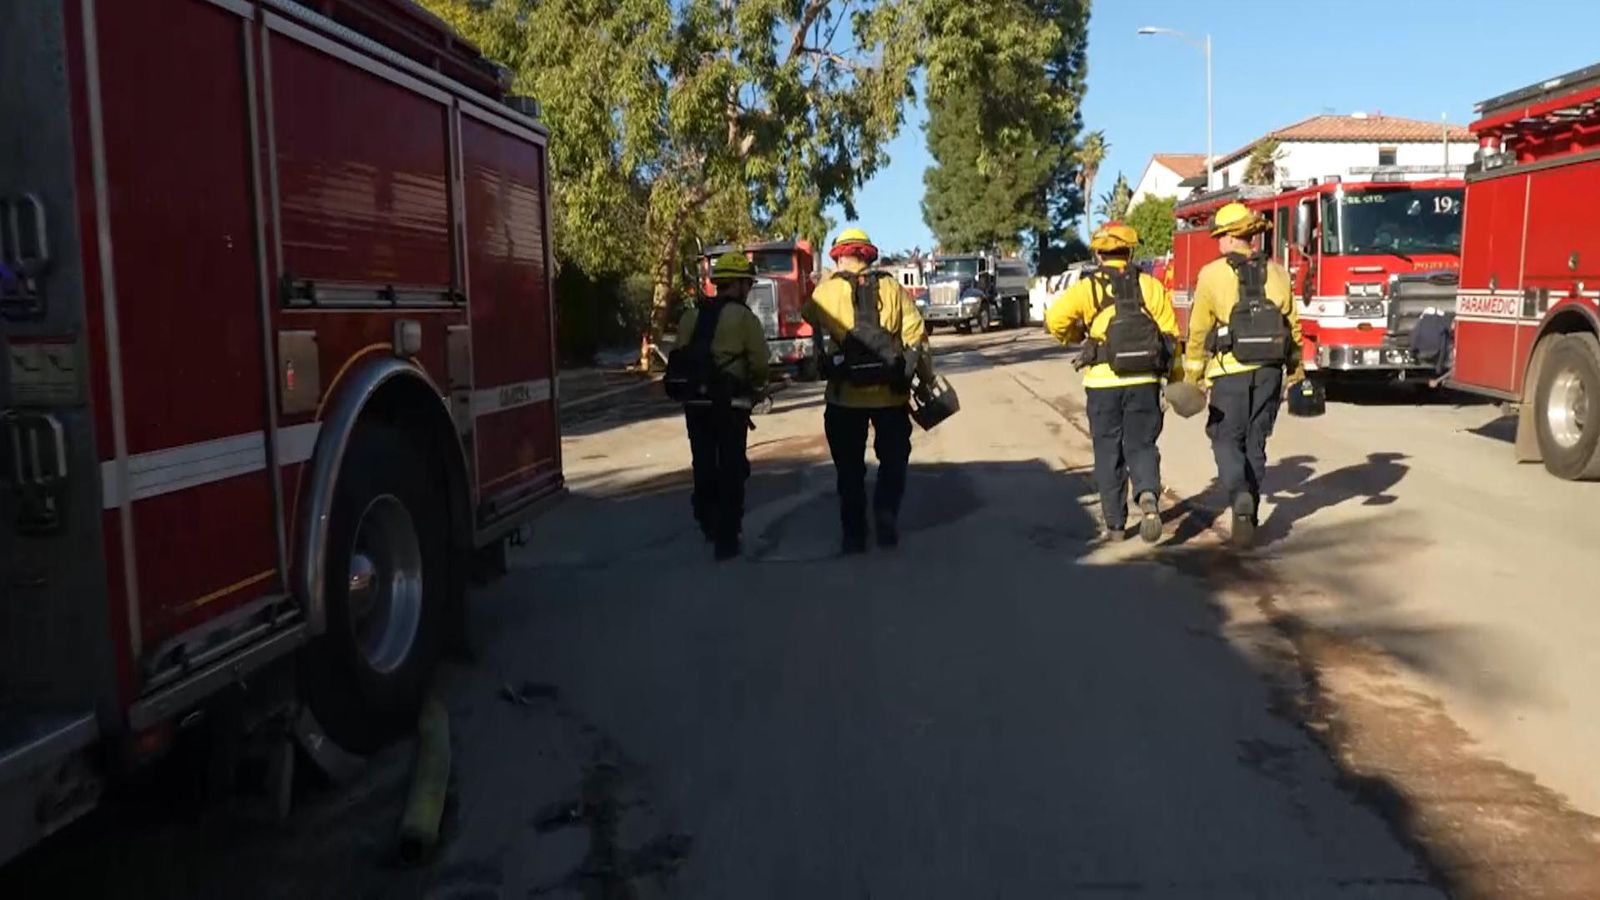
column 1257, row 332
column 870, row 354
column 1133, row 342
column 693, row 376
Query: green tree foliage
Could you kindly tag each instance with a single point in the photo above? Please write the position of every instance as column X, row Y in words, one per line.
column 1114, row 203
column 1152, row 217
column 706, row 118
column 1005, row 82
column 1262, row 167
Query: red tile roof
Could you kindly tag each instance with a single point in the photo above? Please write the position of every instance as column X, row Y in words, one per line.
column 1183, row 165
column 1356, row 129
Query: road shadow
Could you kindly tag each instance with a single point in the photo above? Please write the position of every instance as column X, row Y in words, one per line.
column 649, row 403
column 1502, row 429
column 1414, row 392
column 1001, row 706
column 1296, row 494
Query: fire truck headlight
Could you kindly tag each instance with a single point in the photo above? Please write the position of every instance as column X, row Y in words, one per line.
column 1364, row 289
column 792, row 317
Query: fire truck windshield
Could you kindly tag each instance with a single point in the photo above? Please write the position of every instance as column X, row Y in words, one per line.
column 955, row 268
column 1397, row 221
column 773, row 262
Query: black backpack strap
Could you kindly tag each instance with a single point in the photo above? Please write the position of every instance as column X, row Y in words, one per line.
column 705, row 324
column 1251, row 271
column 864, row 295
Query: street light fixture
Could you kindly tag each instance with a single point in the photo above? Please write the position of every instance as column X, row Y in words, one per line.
column 1205, row 47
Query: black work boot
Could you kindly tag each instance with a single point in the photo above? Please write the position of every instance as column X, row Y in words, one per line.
column 1150, row 519
column 1244, row 521
column 727, row 548
column 888, row 532
column 854, row 542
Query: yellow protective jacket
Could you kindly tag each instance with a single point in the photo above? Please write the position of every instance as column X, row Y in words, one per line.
column 1216, row 290
column 739, row 347
column 831, row 310
column 1075, row 311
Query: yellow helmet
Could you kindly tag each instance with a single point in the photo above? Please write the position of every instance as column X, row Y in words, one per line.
column 1114, row 236
column 732, row 266
column 853, row 242
column 1237, row 220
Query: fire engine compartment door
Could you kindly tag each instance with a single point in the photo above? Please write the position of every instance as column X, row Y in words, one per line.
column 516, row 442
column 57, row 622
column 179, row 159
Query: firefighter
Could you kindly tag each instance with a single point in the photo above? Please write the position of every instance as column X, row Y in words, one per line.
column 719, row 428
column 869, row 362
column 1246, row 384
column 1124, row 398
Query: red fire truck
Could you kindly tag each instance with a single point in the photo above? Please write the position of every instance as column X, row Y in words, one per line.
column 785, row 277
column 1526, row 315
column 276, row 309
column 1367, row 258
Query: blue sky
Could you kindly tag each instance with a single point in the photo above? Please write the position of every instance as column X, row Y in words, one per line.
column 1273, row 63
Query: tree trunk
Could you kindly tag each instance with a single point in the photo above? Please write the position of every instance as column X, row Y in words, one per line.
column 660, row 298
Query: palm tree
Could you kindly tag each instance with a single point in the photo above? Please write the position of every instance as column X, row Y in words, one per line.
column 1091, row 153
column 1114, row 203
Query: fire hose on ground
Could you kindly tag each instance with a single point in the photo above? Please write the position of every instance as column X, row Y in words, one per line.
column 430, row 783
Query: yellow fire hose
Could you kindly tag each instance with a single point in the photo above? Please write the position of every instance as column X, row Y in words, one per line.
column 430, row 782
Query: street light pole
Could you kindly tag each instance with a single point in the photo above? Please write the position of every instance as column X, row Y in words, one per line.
column 1205, row 47
column 1210, row 156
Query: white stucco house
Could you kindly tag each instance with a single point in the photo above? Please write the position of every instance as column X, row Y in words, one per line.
column 1165, row 173
column 1355, row 147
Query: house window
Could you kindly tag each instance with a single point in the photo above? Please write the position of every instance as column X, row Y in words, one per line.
column 1226, row 178
column 1386, row 156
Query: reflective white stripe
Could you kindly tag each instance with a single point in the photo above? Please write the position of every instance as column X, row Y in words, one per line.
column 297, row 442
column 1341, row 322
column 510, row 396
column 158, row 472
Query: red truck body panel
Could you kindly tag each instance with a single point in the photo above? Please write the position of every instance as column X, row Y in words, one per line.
column 248, row 205
column 1530, row 262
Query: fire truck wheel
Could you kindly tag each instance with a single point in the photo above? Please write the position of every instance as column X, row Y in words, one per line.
column 810, row 369
column 387, row 564
column 1567, row 407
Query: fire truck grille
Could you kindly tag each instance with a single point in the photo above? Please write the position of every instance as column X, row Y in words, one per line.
column 1411, row 295
column 945, row 293
column 764, row 303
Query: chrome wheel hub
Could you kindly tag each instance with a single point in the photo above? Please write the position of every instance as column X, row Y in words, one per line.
column 1568, row 410
column 385, row 584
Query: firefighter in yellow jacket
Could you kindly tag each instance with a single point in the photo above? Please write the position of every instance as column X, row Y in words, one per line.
column 869, row 361
column 1244, row 393
column 1125, row 363
column 719, row 430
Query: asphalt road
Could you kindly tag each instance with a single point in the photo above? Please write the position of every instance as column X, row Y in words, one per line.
column 1388, row 699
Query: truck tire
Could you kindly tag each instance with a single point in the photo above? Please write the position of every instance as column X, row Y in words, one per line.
column 810, row 369
column 985, row 318
column 1567, row 407
column 964, row 327
column 387, row 591
column 1010, row 313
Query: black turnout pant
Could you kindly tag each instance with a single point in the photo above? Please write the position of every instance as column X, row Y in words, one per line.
column 718, row 436
column 846, row 429
column 1244, row 408
column 1124, row 424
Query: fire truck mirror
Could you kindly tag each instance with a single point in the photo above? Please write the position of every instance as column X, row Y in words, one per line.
column 1303, row 223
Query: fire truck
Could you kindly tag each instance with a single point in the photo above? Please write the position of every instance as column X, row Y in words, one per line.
column 275, row 301
column 785, row 277
column 1526, row 313
column 1367, row 260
